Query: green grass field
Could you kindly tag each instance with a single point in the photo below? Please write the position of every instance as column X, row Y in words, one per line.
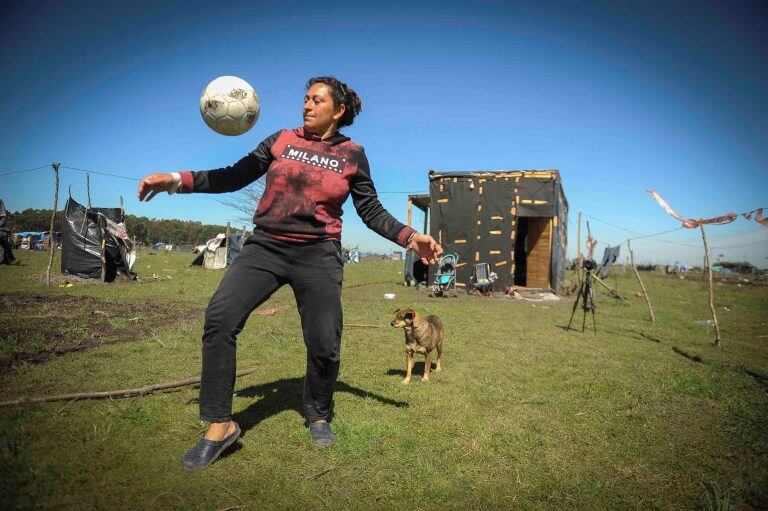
column 524, row 416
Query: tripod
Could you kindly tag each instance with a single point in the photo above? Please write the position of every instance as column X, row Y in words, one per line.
column 586, row 295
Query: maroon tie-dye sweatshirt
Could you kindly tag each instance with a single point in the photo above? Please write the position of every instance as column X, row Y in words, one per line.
column 308, row 180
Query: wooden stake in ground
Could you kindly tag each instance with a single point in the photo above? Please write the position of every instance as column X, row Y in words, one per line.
column 645, row 293
column 53, row 218
column 711, row 293
column 613, row 292
column 113, row 393
column 578, row 250
column 103, row 248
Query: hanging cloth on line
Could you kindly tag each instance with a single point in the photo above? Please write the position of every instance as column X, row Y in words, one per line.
column 758, row 216
column 691, row 223
column 610, row 256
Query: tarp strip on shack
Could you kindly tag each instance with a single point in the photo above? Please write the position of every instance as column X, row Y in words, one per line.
column 83, row 231
column 560, row 236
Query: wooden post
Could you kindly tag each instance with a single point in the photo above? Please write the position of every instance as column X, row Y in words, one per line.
column 426, row 219
column 228, row 230
column 578, row 241
column 578, row 251
column 613, row 292
column 410, row 209
column 709, row 278
column 88, row 188
column 103, row 247
column 53, row 218
column 642, row 287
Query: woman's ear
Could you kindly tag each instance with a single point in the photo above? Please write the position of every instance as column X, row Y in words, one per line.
column 339, row 112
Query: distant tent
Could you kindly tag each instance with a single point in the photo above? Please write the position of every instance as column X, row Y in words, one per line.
column 219, row 252
column 95, row 243
column 6, row 248
column 30, row 240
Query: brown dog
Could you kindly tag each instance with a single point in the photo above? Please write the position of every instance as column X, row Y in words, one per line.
column 422, row 335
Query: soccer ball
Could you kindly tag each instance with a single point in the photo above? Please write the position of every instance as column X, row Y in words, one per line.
column 229, row 106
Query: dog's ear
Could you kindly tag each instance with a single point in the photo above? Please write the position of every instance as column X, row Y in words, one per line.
column 398, row 310
column 410, row 314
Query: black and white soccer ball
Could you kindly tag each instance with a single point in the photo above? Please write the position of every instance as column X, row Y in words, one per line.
column 229, row 106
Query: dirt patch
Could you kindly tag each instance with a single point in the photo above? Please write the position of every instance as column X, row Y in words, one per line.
column 37, row 327
column 63, row 280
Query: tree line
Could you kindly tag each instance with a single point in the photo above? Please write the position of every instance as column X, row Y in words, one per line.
column 146, row 230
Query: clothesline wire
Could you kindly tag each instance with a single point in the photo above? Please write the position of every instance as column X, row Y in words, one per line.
column 639, row 235
column 719, row 247
column 137, row 179
column 611, row 224
column 87, row 171
column 25, row 170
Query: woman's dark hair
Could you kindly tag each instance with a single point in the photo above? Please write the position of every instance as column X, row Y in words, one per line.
column 341, row 94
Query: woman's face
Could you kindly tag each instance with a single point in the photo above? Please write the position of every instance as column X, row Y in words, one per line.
column 319, row 112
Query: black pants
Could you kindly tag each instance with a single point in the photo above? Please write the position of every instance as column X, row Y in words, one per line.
column 315, row 272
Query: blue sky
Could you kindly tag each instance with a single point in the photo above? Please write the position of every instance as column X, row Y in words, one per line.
column 619, row 96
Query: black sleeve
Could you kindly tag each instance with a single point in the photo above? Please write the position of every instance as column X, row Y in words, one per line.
column 237, row 176
column 369, row 208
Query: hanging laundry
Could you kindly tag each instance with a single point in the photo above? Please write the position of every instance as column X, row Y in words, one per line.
column 759, row 218
column 610, row 256
column 691, row 223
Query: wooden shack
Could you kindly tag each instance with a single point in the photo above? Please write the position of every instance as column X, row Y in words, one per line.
column 514, row 220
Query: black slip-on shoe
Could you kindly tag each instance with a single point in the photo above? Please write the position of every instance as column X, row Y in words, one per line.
column 205, row 451
column 322, row 434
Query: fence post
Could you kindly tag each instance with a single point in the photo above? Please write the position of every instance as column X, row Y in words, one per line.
column 578, row 251
column 53, row 218
column 709, row 278
column 645, row 293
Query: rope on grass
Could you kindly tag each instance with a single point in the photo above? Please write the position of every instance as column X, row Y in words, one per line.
column 147, row 389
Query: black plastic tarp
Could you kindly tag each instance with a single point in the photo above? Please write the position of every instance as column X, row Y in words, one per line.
column 6, row 248
column 415, row 271
column 559, row 237
column 83, row 231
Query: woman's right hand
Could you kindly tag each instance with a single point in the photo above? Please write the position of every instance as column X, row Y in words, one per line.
column 153, row 184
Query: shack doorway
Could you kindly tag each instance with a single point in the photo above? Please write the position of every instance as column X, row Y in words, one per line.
column 533, row 252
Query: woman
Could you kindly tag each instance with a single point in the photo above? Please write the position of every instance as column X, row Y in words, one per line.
column 311, row 171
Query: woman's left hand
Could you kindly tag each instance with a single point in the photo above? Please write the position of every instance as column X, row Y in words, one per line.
column 426, row 247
